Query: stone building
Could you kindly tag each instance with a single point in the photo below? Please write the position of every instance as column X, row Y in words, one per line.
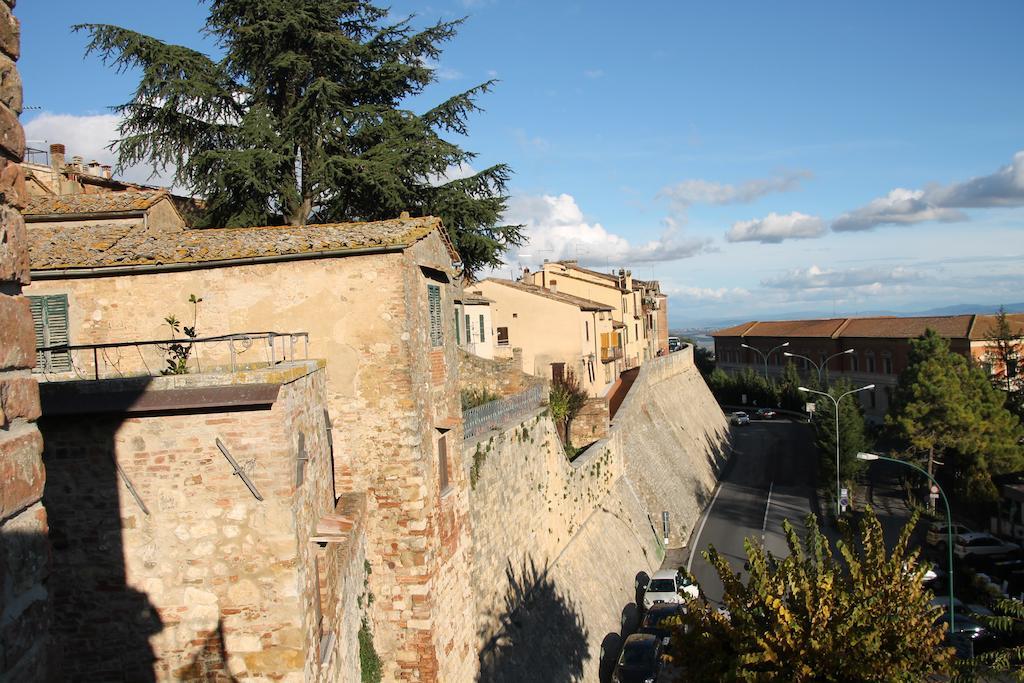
column 557, row 332
column 122, row 209
column 378, row 302
column 24, row 552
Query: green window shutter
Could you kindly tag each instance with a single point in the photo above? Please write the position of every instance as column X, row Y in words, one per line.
column 469, row 330
column 482, row 339
column 50, row 319
column 434, row 302
column 458, row 331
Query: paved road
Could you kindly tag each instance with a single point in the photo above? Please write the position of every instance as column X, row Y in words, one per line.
column 770, row 477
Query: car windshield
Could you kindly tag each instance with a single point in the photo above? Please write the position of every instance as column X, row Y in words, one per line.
column 638, row 654
column 662, row 586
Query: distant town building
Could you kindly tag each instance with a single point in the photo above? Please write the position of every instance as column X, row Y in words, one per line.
column 557, row 332
column 880, row 346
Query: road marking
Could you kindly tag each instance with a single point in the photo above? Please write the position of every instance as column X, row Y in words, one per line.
column 700, row 529
column 768, row 505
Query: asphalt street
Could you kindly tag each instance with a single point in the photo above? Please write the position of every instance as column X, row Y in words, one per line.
column 770, row 477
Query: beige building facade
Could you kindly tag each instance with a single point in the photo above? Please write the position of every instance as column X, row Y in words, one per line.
column 557, row 332
column 377, row 301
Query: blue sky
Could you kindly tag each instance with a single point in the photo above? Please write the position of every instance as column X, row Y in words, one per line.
column 759, row 159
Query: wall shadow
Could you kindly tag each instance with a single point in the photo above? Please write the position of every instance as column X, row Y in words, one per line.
column 101, row 626
column 210, row 663
column 540, row 637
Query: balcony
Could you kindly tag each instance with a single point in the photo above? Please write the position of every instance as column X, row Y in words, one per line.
column 611, row 353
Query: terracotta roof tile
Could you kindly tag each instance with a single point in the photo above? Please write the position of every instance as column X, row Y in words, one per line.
column 582, row 304
column 57, row 247
column 889, row 327
column 950, row 326
column 985, row 325
column 784, row 328
column 99, row 202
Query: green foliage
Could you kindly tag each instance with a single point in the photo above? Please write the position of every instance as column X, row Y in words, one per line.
column 730, row 389
column 301, row 120
column 178, row 353
column 1008, row 621
column 565, row 400
column 473, row 397
column 810, row 617
column 852, row 438
column 369, row 660
column 479, row 458
column 946, row 408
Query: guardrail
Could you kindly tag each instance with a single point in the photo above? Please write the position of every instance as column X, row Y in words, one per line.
column 504, row 411
column 122, row 359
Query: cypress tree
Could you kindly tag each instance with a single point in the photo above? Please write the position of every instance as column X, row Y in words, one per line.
column 301, row 119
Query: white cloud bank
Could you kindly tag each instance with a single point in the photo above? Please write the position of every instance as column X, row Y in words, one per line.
column 557, row 229
column 88, row 136
column 697, row 191
column 1004, row 187
column 819, row 278
column 775, row 228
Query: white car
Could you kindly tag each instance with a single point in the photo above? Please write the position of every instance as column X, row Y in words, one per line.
column 976, row 544
column 668, row 586
column 937, row 533
column 740, row 418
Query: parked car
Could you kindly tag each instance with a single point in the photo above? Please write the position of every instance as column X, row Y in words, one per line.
column 977, row 544
column 658, row 620
column 665, row 586
column 640, row 661
column 765, row 414
column 740, row 418
column 937, row 533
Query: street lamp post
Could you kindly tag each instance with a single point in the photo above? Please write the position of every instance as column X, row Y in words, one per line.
column 765, row 355
column 836, row 402
column 949, row 521
column 824, row 363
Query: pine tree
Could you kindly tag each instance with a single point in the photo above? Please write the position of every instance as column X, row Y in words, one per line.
column 946, row 409
column 1004, row 355
column 852, row 438
column 810, row 617
column 302, row 120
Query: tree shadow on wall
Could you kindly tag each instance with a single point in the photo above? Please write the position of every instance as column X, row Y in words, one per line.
column 210, row 663
column 541, row 636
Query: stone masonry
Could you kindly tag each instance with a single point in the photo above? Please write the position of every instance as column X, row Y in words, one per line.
column 24, row 550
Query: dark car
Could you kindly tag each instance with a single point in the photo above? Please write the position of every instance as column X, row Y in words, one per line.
column 640, row 660
column 657, row 620
column 765, row 414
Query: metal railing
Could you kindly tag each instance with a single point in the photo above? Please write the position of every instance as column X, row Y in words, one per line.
column 504, row 411
column 611, row 353
column 135, row 358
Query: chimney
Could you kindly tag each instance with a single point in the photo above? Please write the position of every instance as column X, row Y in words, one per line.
column 57, row 157
column 108, row 173
column 404, row 215
column 94, row 168
column 76, row 161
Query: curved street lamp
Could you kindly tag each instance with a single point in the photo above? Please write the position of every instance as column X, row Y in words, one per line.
column 836, row 402
column 949, row 521
column 824, row 363
column 765, row 355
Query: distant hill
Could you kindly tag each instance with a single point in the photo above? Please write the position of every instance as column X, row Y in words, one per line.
column 954, row 309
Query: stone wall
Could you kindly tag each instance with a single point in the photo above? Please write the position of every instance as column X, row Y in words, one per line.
column 24, row 611
column 591, row 423
column 502, row 376
column 166, row 564
column 670, row 424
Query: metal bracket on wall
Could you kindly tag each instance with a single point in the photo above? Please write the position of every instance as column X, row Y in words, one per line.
column 238, row 470
column 128, row 484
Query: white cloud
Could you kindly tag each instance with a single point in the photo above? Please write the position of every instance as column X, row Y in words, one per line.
column 873, row 279
column 456, row 172
column 1005, row 187
column 900, row 206
column 593, row 74
column 707, row 293
column 697, row 191
column 775, row 228
column 88, row 136
column 557, row 229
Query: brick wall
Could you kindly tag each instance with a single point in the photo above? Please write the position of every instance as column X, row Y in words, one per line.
column 23, row 524
column 503, row 376
column 196, row 578
column 591, row 423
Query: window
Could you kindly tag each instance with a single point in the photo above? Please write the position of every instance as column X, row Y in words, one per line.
column 854, row 363
column 482, row 338
column 502, row 336
column 50, row 319
column 1011, row 367
column 887, row 364
column 586, row 328
column 442, row 463
column 434, row 302
column 469, row 330
column 636, row 331
column 871, row 399
column 869, row 362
